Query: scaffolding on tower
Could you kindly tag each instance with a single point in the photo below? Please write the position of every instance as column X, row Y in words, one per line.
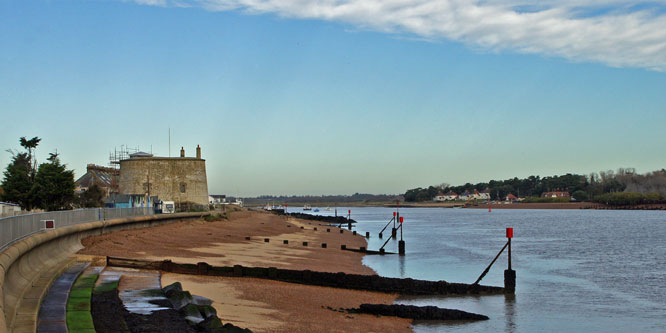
column 115, row 157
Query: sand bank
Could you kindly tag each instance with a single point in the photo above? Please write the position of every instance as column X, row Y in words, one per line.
column 261, row 305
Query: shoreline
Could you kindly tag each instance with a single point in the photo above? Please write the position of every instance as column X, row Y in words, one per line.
column 261, row 305
column 501, row 205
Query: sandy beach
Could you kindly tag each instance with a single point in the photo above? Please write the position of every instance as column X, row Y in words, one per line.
column 261, row 305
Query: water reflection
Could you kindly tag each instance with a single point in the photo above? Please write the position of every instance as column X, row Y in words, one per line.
column 578, row 269
column 509, row 312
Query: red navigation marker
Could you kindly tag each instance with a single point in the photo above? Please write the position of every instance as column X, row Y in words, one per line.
column 349, row 211
column 509, row 232
column 393, row 214
column 401, row 219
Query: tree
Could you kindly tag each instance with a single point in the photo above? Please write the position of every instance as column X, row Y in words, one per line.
column 92, row 197
column 19, row 175
column 580, row 195
column 30, row 145
column 54, row 185
column 17, row 182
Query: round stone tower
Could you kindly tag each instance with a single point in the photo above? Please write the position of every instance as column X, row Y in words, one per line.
column 178, row 179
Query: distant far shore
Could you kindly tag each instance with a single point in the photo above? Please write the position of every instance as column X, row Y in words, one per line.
column 521, row 205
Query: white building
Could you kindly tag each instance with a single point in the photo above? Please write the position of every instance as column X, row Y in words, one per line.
column 9, row 209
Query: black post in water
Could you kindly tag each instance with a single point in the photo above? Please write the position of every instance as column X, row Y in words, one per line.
column 397, row 218
column 401, row 243
column 509, row 274
column 367, row 234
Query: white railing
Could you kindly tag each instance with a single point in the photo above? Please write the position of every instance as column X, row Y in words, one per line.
column 18, row 227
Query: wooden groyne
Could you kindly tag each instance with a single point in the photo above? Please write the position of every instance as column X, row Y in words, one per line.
column 377, row 283
column 337, row 220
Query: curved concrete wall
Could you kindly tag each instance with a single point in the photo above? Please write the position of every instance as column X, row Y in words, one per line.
column 22, row 262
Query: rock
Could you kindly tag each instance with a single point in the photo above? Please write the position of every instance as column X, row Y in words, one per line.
column 191, row 313
column 417, row 312
column 207, row 311
column 200, row 300
column 210, row 324
column 176, row 286
column 179, row 298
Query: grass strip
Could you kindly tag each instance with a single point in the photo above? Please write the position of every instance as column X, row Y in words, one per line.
column 79, row 318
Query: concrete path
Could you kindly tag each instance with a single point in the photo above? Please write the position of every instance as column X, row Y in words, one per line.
column 52, row 312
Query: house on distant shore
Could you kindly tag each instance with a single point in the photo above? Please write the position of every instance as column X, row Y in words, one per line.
column 484, row 195
column 450, row 196
column 465, row 196
column 555, row 194
column 510, row 198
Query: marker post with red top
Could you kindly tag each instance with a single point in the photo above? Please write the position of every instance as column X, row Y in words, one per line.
column 401, row 243
column 349, row 225
column 509, row 274
column 394, row 232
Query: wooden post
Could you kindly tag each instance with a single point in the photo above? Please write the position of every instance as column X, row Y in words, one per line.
column 509, row 274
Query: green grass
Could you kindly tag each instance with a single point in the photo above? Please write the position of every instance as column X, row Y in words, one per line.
column 79, row 318
column 80, row 293
column 78, row 304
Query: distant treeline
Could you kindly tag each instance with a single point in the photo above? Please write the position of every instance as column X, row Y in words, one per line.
column 645, row 188
column 327, row 199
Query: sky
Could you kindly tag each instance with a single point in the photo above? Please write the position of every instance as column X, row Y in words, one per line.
column 337, row 97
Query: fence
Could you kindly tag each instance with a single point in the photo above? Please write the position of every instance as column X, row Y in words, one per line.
column 15, row 228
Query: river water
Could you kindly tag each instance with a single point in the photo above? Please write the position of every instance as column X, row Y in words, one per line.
column 577, row 270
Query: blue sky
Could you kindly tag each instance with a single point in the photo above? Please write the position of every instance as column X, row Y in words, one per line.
column 304, row 98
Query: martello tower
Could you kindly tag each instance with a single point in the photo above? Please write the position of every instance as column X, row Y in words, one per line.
column 178, row 179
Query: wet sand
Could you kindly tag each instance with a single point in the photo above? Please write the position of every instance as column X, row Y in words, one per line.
column 261, row 305
column 273, row 306
column 222, row 243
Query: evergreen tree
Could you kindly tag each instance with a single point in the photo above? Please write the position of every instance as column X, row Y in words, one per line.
column 17, row 181
column 19, row 175
column 54, row 185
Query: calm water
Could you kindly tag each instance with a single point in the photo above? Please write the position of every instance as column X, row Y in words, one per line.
column 577, row 270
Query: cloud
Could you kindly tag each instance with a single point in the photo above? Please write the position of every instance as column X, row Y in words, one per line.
column 612, row 32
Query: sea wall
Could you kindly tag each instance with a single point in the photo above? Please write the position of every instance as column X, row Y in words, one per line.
column 22, row 262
